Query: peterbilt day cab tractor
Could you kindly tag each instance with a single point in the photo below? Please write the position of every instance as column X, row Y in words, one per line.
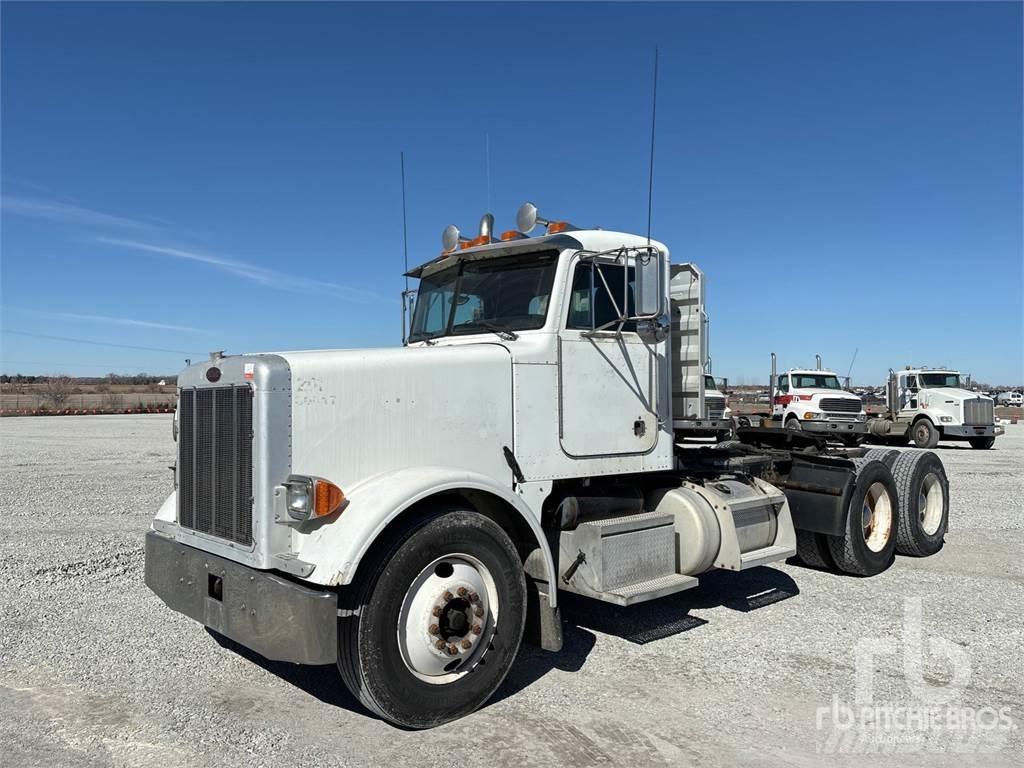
column 927, row 405
column 411, row 513
column 814, row 400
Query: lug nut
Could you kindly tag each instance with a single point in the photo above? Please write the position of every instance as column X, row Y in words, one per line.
column 477, row 629
column 437, row 610
column 474, row 598
column 434, row 629
column 452, row 650
column 478, row 611
column 448, row 597
column 439, row 645
column 462, row 591
column 465, row 644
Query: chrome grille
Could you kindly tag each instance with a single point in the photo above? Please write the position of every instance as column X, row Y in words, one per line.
column 715, row 407
column 841, row 405
column 978, row 411
column 215, row 462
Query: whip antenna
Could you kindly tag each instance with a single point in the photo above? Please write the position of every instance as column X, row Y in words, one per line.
column 650, row 177
column 405, row 232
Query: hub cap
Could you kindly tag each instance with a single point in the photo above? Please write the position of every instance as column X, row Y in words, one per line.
column 930, row 502
column 448, row 618
column 876, row 517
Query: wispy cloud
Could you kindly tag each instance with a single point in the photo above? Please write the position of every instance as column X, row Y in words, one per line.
column 124, row 321
column 264, row 276
column 66, row 213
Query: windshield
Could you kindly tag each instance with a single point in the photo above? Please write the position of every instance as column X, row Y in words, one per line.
column 487, row 295
column 709, row 383
column 940, row 380
column 815, row 381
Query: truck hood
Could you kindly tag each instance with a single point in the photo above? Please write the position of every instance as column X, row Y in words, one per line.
column 829, row 393
column 953, row 393
column 359, row 412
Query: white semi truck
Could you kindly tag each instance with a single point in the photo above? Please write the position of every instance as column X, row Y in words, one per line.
column 927, row 405
column 411, row 513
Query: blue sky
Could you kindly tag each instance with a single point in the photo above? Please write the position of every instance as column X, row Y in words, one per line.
column 194, row 177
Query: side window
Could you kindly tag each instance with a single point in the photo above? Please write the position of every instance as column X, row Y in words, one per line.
column 783, row 383
column 912, row 382
column 590, row 302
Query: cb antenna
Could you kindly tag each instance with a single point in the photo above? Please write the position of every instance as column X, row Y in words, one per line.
column 654, row 116
column 405, row 232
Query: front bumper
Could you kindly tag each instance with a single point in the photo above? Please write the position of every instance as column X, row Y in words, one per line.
column 273, row 616
column 988, row 430
column 838, row 427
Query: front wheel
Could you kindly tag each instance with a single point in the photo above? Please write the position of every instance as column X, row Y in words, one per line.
column 794, row 424
column 925, row 434
column 982, row 443
column 437, row 623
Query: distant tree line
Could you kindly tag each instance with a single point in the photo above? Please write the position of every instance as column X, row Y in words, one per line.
column 110, row 378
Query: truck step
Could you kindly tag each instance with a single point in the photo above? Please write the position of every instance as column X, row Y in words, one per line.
column 764, row 556
column 648, row 590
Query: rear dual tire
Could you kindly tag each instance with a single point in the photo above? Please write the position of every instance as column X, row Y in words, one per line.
column 924, row 503
column 437, row 623
column 868, row 545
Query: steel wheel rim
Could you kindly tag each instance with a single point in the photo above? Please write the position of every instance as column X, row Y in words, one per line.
column 876, row 517
column 434, row 644
column 922, row 433
column 930, row 503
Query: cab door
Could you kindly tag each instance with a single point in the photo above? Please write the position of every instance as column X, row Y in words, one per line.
column 782, row 397
column 909, row 392
column 609, row 377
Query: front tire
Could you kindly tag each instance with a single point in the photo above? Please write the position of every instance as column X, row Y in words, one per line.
column 869, row 543
column 437, row 622
column 924, row 434
column 982, row 443
column 794, row 424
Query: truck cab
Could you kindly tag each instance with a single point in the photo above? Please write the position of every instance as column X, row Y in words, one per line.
column 814, row 400
column 934, row 405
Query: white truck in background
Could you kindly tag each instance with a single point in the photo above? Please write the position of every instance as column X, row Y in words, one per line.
column 814, row 400
column 926, row 405
column 411, row 513
column 699, row 409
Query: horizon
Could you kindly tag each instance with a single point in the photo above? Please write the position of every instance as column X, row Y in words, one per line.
column 180, row 179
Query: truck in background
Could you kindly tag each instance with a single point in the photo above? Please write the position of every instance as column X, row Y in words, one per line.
column 699, row 409
column 926, row 405
column 814, row 400
column 410, row 513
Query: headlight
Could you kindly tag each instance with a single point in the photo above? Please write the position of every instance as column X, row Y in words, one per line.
column 812, row 415
column 311, row 497
column 945, row 419
column 862, row 417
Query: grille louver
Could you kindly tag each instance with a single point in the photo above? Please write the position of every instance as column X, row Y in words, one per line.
column 215, row 462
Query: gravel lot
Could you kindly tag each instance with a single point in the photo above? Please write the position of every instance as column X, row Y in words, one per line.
column 95, row 670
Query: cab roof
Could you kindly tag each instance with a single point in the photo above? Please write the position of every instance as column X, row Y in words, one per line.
column 579, row 239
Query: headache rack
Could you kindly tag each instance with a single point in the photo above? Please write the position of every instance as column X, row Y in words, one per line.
column 215, row 461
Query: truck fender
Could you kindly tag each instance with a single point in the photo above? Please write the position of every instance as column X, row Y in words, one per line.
column 336, row 547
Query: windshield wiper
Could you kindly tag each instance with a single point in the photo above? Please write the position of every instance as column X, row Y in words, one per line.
column 502, row 333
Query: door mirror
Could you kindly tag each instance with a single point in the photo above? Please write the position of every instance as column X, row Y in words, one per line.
column 649, row 294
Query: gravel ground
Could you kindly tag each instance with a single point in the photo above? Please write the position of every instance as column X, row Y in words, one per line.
column 95, row 670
